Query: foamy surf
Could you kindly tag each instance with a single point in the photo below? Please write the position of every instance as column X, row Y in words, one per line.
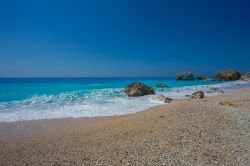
column 96, row 102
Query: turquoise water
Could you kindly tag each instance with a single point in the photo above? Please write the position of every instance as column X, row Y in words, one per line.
column 45, row 98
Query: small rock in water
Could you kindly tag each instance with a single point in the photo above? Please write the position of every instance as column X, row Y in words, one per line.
column 163, row 98
column 212, row 90
column 202, row 78
column 209, row 79
column 161, row 85
column 168, row 100
column 198, row 95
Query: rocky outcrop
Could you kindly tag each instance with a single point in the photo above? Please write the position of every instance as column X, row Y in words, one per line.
column 229, row 75
column 185, row 76
column 136, row 89
column 212, row 90
column 198, row 95
column 245, row 77
column 163, row 98
column 160, row 85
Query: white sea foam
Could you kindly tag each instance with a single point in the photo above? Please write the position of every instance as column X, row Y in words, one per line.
column 102, row 102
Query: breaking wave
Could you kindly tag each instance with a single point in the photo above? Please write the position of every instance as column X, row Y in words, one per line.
column 99, row 102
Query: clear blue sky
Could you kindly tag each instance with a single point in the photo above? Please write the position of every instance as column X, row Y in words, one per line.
column 104, row 38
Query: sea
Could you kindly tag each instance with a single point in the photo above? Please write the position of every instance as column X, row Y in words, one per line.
column 49, row 98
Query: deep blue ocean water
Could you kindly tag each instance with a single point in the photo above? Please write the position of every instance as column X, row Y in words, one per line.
column 46, row 98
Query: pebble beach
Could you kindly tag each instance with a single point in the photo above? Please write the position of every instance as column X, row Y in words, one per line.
column 211, row 131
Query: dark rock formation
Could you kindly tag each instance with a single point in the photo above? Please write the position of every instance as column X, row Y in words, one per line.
column 229, row 75
column 163, row 98
column 202, row 78
column 198, row 95
column 138, row 89
column 185, row 76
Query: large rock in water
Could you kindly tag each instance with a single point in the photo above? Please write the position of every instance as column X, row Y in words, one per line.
column 229, row 75
column 136, row 89
column 245, row 77
column 185, row 76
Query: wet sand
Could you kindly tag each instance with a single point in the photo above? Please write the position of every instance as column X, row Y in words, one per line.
column 184, row 132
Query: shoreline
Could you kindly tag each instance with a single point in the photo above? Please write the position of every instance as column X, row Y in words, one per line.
column 28, row 128
column 103, row 102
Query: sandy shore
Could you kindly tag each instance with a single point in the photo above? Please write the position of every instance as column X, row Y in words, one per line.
column 184, row 132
